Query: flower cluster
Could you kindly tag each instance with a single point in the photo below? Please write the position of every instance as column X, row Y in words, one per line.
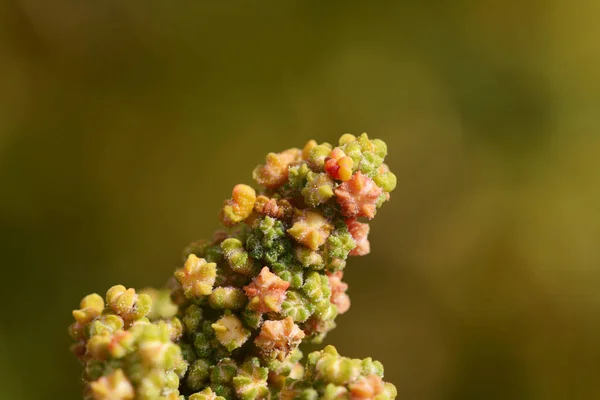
column 127, row 355
column 242, row 303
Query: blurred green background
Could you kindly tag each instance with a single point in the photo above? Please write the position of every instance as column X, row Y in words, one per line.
column 124, row 125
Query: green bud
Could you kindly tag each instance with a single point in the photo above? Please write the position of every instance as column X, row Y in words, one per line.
column 162, row 305
column 271, row 230
column 338, row 246
column 188, row 352
column 386, row 181
column 202, row 345
column 390, row 391
column 352, row 150
column 308, row 394
column 297, row 306
column 151, row 385
column 251, row 381
column 329, row 366
column 379, row 147
column 369, row 164
column 192, row 318
column 223, row 372
column 325, row 311
column 316, row 288
column 309, row 258
column 318, row 189
column 381, row 199
column 369, row 367
column 291, row 273
column 297, row 176
column 346, row 138
column 214, row 254
column 224, row 391
column 175, row 327
column 106, row 325
column 237, row 256
column 318, row 155
column 287, row 366
column 94, row 369
column 252, row 319
column 333, row 392
column 206, row 394
column 198, row 373
column 228, row 297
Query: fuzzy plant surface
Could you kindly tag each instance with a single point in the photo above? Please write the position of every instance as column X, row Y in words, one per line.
column 230, row 322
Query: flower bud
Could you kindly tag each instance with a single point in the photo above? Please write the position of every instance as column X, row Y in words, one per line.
column 196, row 277
column 240, row 206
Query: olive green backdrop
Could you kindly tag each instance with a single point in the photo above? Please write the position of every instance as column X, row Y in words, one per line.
column 124, row 125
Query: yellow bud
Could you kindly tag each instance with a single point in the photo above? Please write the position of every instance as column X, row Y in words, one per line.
column 346, row 138
column 311, row 144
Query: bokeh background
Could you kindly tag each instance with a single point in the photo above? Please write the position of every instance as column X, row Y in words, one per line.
column 124, row 125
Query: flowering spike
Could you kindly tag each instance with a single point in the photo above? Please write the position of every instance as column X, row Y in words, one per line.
column 244, row 300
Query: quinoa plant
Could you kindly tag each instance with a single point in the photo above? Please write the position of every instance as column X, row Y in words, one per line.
column 230, row 323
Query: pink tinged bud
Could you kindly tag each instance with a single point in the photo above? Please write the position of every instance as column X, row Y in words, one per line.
column 280, row 209
column 358, row 196
column 120, row 344
column 266, row 292
column 277, row 339
column 338, row 291
column 383, row 168
column 274, row 172
column 366, row 387
column 359, row 232
column 112, row 387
